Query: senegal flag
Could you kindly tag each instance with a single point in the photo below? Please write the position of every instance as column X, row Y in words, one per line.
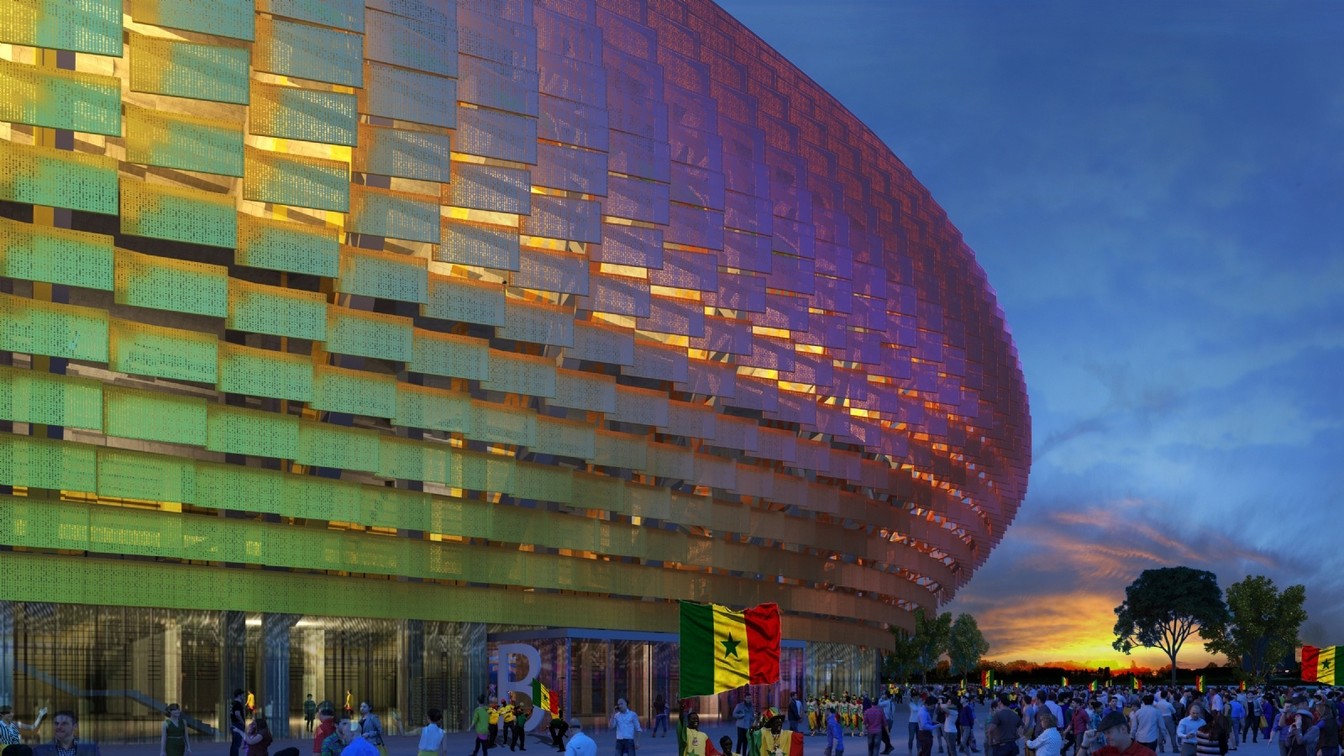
column 987, row 678
column 542, row 698
column 763, row 742
column 1325, row 665
column 1064, row 682
column 722, row 649
column 1199, row 683
column 1310, row 655
column 1135, row 682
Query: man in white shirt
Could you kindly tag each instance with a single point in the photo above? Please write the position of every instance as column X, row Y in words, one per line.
column 1186, row 729
column 1167, row 733
column 626, row 724
column 579, row 743
column 1145, row 723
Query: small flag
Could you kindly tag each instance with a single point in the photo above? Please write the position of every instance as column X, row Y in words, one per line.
column 986, row 678
column 1325, row 665
column 723, row 650
column 1199, row 683
column 1242, row 687
column 1064, row 682
column 1135, row 682
column 963, row 685
column 1310, row 655
column 1092, row 686
column 543, row 699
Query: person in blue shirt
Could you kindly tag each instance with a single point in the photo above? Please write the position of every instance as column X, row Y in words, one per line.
column 835, row 734
column 928, row 725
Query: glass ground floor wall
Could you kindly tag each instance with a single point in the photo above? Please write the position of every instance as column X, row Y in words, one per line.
column 589, row 669
column 118, row 667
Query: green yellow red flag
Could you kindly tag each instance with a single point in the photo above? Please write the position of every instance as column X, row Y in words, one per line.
column 1309, row 657
column 763, row 742
column 722, row 649
column 1199, row 683
column 1064, row 681
column 543, row 699
column 1325, row 665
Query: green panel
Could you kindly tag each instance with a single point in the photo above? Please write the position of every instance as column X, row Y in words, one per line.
column 538, row 324
column 404, row 153
column 153, row 477
column 394, row 215
column 191, row 143
column 482, row 472
column 243, row 431
column 504, row 425
column 404, row 459
column 322, row 499
column 178, row 214
column 221, row 540
column 521, row 374
column 90, row 26
column 621, row 450
column 39, row 463
column 277, row 311
column 326, row 445
column 383, row 275
column 58, row 178
column 263, row 372
column 154, row 416
column 543, row 482
column 249, row 489
column 218, row 73
column 391, row 508
column 567, row 439
column 407, row 95
column 309, row 52
column 278, row 245
column 55, row 255
column 35, row 327
column 30, row 396
column 433, row 410
column 222, row 18
column 306, row 114
column 139, row 349
column 60, row 99
column 114, row 530
column 297, row 180
column 354, row 391
column 45, row 524
column 450, row 355
column 465, row 301
column 585, row 391
column 607, row 493
column 369, row 334
column 342, row 14
column 166, row 283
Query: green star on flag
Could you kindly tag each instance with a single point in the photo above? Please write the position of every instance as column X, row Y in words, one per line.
column 729, row 646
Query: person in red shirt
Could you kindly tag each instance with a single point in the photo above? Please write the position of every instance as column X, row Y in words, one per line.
column 326, row 725
column 1115, row 729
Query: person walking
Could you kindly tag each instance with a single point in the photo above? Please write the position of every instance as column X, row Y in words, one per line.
column 660, row 715
column 173, row 741
column 579, row 743
column 309, row 713
column 874, row 723
column 625, row 723
column 480, row 723
column 745, row 716
column 433, row 740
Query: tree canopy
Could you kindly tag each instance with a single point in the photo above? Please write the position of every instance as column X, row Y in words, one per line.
column 931, row 639
column 966, row 645
column 903, row 660
column 1165, row 606
column 1262, row 626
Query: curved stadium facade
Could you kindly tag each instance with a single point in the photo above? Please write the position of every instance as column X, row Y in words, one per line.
column 346, row 344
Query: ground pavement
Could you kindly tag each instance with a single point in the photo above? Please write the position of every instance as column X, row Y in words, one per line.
column 460, row 743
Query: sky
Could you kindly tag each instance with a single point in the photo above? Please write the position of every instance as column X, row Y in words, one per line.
column 1155, row 191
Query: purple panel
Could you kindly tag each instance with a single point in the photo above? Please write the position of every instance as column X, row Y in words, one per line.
column 734, row 103
column 486, row 187
column 642, row 117
column 834, row 261
column 628, row 36
column 833, row 295
column 853, row 385
column 691, row 75
column 569, row 37
column 695, row 227
column 832, row 226
column 687, row 270
column 798, row 408
column 570, row 79
column 488, row 36
column 748, row 213
column 638, row 156
column 791, row 199
column 834, row 420
column 742, row 140
column 738, row 291
column 740, row 174
column 470, row 244
column 869, row 281
column 709, row 378
column 564, row 218
column 794, row 238
column 814, row 369
column 746, row 251
column 561, row 167
column 790, row 273
column 725, row 335
column 583, row 10
column 824, row 331
column 551, row 271
column 755, row 393
column 905, row 332
column 697, row 186
column 617, row 295
column 783, row 311
column 428, row 44
column 930, row 346
column 663, row 363
column 629, row 245
column 636, row 199
column 631, row 78
column 865, row 347
column 703, row 149
column 680, row 316
column 490, row 133
column 569, row 122
column 692, row 110
column 770, row 352
column 869, row 313
column 926, row 377
column 497, row 85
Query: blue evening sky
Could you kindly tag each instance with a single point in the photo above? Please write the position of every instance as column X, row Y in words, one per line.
column 1154, row 189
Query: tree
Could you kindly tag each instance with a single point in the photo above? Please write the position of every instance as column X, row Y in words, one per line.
column 965, row 645
column 903, row 660
column 1263, row 624
column 931, row 637
column 1165, row 606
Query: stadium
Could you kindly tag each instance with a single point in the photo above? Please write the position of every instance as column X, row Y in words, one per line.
column 348, row 347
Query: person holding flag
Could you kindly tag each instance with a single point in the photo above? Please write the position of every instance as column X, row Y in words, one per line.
column 769, row 738
column 690, row 741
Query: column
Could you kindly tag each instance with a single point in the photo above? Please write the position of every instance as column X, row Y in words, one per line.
column 274, row 695
column 7, row 651
column 232, row 661
column 411, row 684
